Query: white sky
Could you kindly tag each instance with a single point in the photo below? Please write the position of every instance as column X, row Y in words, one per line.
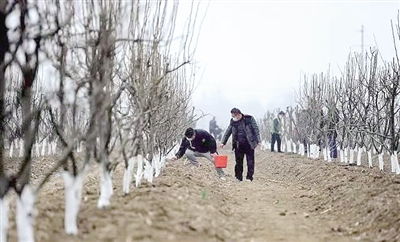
column 251, row 53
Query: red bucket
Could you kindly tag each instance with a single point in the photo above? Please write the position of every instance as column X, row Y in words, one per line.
column 220, row 161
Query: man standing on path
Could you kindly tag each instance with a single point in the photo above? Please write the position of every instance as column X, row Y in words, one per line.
column 245, row 138
column 198, row 143
column 276, row 131
column 333, row 119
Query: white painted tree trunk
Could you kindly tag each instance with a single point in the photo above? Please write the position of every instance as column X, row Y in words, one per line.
column 73, row 195
column 351, row 156
column 44, row 148
column 21, row 148
column 25, row 215
column 148, row 171
column 346, row 155
column 33, row 150
column 3, row 219
column 294, row 147
column 106, row 188
column 369, row 158
column 160, row 164
column 128, row 175
column 11, row 149
column 359, row 153
column 54, row 147
column 341, row 154
column 289, row 145
column 329, row 154
column 308, row 151
column 314, row 151
column 301, row 150
column 50, row 149
column 380, row 161
column 37, row 149
column 139, row 171
column 392, row 165
column 325, row 152
column 395, row 163
column 163, row 161
column 156, row 164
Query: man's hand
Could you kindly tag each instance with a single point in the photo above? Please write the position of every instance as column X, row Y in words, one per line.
column 174, row 158
column 221, row 146
column 213, row 155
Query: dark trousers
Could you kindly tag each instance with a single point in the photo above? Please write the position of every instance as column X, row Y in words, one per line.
column 276, row 138
column 240, row 151
column 332, row 146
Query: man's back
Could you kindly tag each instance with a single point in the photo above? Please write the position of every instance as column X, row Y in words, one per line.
column 276, row 126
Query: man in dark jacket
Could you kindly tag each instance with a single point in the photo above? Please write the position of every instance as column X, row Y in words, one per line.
column 276, row 131
column 212, row 126
column 198, row 143
column 245, row 138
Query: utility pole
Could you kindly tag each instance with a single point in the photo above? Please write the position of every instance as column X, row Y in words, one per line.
column 362, row 40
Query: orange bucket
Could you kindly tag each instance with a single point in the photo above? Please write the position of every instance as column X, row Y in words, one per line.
column 220, row 161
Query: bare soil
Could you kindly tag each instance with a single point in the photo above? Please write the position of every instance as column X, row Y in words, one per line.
column 291, row 199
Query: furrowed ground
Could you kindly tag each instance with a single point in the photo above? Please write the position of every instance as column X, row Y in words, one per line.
column 291, row 199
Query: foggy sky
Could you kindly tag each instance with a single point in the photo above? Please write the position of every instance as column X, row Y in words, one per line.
column 251, row 54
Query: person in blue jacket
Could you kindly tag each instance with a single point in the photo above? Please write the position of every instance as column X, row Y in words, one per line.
column 198, row 143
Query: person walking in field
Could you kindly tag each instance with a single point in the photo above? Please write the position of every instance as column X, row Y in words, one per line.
column 276, row 131
column 198, row 143
column 245, row 139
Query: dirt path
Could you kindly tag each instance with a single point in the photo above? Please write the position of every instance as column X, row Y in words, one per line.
column 291, row 199
column 267, row 210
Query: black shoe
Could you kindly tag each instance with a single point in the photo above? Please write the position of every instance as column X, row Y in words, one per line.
column 280, row 151
column 249, row 179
